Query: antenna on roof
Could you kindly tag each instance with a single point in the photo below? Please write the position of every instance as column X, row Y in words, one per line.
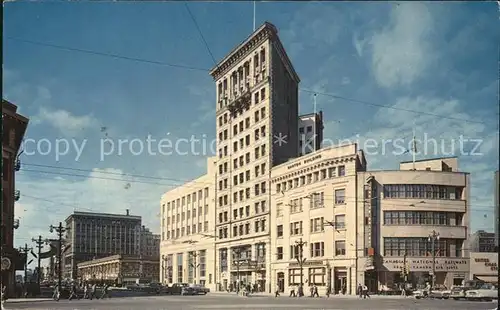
column 414, row 146
column 253, row 15
column 314, row 123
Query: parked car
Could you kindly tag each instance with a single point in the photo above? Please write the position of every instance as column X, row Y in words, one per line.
column 439, row 292
column 181, row 289
column 487, row 292
column 200, row 290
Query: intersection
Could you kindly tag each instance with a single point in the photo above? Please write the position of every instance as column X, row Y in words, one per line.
column 257, row 302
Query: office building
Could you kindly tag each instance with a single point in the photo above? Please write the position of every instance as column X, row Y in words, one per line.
column 149, row 243
column 482, row 241
column 413, row 217
column 187, row 230
column 120, row 269
column 270, row 205
column 14, row 128
column 97, row 235
column 310, row 132
column 314, row 202
column 496, row 205
column 484, row 267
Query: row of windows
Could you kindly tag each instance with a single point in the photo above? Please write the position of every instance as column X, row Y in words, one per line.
column 315, row 225
column 178, row 218
column 259, row 169
column 316, row 249
column 422, row 247
column 419, row 191
column 316, row 176
column 241, row 76
column 181, row 202
column 315, row 276
column 244, row 212
column 185, row 231
column 422, row 218
column 244, row 229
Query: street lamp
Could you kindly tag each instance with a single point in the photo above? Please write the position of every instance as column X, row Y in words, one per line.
column 60, row 230
column 301, row 260
column 433, row 237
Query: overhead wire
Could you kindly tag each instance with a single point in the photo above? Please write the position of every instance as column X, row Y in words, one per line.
column 441, row 206
column 117, row 56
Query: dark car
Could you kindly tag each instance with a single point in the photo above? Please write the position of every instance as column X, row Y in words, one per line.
column 181, row 289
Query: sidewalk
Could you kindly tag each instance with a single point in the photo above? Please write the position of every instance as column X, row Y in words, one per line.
column 307, row 297
column 20, row 300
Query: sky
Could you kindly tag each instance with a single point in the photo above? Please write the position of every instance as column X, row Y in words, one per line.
column 103, row 72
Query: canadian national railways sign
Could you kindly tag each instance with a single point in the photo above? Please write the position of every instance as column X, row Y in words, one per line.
column 425, row 264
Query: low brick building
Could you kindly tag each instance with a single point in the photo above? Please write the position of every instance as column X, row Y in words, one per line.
column 119, row 269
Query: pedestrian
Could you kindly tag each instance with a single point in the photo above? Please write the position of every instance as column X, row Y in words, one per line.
column 311, row 290
column 328, row 290
column 93, row 291
column 73, row 292
column 315, row 291
column 360, row 290
column 277, row 292
column 56, row 293
column 85, row 291
column 105, row 291
column 292, row 291
column 365, row 292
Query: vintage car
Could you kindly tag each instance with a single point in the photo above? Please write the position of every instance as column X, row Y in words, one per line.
column 200, row 290
column 487, row 292
column 439, row 292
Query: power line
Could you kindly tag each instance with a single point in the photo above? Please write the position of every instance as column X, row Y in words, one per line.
column 73, row 49
column 388, row 107
column 479, row 208
column 208, row 70
column 200, row 33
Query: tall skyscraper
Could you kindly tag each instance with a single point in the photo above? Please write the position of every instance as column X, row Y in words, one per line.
column 257, row 121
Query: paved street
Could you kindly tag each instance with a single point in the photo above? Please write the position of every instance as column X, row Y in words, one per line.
column 258, row 303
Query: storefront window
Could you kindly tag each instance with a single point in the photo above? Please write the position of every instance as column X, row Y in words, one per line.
column 419, row 247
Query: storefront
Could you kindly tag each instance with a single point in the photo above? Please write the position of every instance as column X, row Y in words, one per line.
column 448, row 271
column 484, row 267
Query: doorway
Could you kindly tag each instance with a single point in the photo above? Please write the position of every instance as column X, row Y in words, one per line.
column 281, row 281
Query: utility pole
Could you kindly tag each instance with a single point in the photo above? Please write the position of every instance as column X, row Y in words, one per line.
column 25, row 251
column 194, row 264
column 433, row 237
column 237, row 251
column 60, row 230
column 39, row 244
column 301, row 260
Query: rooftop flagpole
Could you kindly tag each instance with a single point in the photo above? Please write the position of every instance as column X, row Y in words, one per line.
column 253, row 15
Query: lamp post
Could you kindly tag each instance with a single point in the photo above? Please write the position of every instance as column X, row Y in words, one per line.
column 25, row 250
column 301, row 260
column 433, row 237
column 60, row 230
column 194, row 264
column 39, row 244
column 237, row 251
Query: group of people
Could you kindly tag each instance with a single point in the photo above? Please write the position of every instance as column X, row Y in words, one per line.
column 362, row 291
column 89, row 291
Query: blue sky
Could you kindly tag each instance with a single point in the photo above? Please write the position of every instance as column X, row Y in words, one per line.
column 438, row 58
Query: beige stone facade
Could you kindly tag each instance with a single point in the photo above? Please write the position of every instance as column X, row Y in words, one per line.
column 398, row 212
column 187, row 231
column 121, row 269
column 484, row 267
column 314, row 199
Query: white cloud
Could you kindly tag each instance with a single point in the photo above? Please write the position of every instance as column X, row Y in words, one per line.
column 64, row 121
column 48, row 200
column 402, row 51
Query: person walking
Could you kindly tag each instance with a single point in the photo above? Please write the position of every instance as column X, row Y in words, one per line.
column 365, row 292
column 56, row 293
column 315, row 291
column 292, row 291
column 105, row 292
column 328, row 290
column 93, row 291
column 73, row 292
column 277, row 292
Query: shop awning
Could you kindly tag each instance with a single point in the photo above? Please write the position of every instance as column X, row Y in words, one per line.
column 487, row 278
